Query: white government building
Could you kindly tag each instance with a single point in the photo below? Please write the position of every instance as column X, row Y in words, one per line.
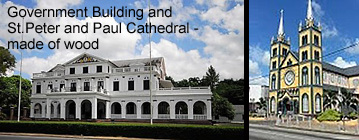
column 89, row 87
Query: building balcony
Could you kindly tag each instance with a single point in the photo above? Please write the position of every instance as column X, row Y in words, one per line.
column 77, row 89
column 48, row 74
column 134, row 70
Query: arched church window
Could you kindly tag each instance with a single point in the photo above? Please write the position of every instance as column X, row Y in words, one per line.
column 305, row 103
column 317, row 103
column 316, row 40
column 304, row 55
column 305, row 76
column 317, row 76
column 273, row 81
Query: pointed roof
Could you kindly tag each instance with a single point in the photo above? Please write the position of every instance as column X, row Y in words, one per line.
column 309, row 10
column 281, row 28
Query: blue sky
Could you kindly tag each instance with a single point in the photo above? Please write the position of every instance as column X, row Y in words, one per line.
column 338, row 18
column 219, row 37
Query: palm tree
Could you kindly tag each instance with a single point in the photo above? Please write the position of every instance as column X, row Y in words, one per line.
column 347, row 101
column 212, row 77
column 330, row 99
column 262, row 103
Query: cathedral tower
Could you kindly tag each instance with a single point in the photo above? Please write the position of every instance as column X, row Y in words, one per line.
column 310, row 68
column 279, row 49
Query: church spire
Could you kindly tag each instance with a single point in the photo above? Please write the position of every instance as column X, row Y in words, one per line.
column 309, row 11
column 281, row 28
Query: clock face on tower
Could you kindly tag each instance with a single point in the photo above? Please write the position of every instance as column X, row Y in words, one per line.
column 289, row 78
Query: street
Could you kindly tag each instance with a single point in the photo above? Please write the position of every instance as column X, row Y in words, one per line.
column 265, row 132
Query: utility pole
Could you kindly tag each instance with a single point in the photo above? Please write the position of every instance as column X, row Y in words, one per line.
column 18, row 107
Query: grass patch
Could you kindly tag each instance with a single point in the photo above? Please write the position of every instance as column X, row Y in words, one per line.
column 142, row 130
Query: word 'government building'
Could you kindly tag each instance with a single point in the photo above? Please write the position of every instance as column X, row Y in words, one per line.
column 89, row 87
column 298, row 80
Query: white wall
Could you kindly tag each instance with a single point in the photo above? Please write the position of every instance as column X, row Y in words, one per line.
column 256, row 92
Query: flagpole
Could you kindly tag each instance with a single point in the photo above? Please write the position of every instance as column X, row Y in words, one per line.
column 18, row 107
column 149, row 40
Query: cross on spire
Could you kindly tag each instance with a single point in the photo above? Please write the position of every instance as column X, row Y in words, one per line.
column 281, row 28
column 309, row 10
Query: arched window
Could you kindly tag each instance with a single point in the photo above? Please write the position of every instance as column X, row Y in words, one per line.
column 317, row 103
column 305, row 76
column 37, row 109
column 272, row 105
column 273, row 81
column 305, row 103
column 317, row 76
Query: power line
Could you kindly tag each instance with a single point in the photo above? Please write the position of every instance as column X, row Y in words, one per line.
column 331, row 53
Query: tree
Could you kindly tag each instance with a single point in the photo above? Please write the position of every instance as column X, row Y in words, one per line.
column 170, row 79
column 330, row 99
column 231, row 89
column 7, row 60
column 212, row 77
column 222, row 107
column 9, row 91
column 347, row 101
column 262, row 103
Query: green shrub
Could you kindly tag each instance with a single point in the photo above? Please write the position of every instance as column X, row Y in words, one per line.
column 353, row 115
column 329, row 115
column 161, row 131
column 3, row 116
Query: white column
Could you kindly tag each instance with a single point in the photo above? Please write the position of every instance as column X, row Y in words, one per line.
column 209, row 110
column 78, row 108
column 62, row 108
column 78, row 84
column 172, row 110
column 94, row 108
column 138, row 110
column 155, row 110
column 107, row 84
column 93, row 85
column 108, row 110
column 43, row 110
column 32, row 110
column 190, row 109
column 48, row 108
column 123, row 109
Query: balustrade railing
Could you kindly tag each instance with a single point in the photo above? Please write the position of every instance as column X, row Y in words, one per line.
column 184, row 88
column 136, row 69
column 199, row 117
column 164, row 116
column 145, row 116
column 181, row 116
column 131, row 116
column 77, row 89
column 116, row 116
column 48, row 74
column 37, row 116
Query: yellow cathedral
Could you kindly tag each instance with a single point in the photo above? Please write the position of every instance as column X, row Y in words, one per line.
column 297, row 79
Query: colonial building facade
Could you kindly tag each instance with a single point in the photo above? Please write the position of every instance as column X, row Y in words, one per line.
column 89, row 87
column 299, row 78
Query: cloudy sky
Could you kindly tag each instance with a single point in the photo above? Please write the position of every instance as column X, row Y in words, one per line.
column 340, row 29
column 218, row 42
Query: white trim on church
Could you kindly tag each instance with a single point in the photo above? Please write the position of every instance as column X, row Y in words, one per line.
column 89, row 87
